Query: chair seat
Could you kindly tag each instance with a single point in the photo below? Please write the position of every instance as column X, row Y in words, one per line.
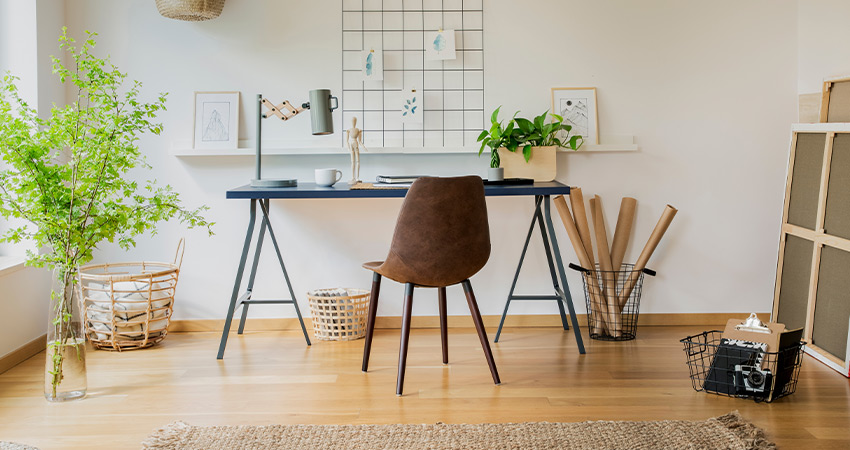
column 406, row 276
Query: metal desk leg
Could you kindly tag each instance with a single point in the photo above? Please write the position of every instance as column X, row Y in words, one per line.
column 565, row 294
column 537, row 200
column 555, row 286
column 238, row 283
column 252, row 277
column 264, row 205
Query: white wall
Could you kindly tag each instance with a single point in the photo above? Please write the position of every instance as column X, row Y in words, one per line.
column 707, row 89
column 28, row 33
column 822, row 37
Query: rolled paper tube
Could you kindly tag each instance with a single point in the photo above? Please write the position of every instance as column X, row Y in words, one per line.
column 575, row 239
column 648, row 249
column 622, row 233
column 577, row 203
column 607, row 272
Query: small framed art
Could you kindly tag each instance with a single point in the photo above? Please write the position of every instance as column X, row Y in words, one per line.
column 216, row 121
column 578, row 107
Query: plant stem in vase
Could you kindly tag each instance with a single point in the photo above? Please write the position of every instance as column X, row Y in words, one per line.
column 65, row 371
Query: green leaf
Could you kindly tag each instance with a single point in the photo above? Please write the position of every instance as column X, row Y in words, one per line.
column 524, row 124
column 576, row 142
column 494, row 118
column 482, row 136
column 526, row 152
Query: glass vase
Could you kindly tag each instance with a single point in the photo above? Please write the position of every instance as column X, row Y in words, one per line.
column 65, row 365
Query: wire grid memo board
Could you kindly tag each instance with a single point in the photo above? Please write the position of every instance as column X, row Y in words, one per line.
column 453, row 90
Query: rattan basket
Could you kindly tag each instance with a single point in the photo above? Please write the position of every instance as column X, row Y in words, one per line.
column 190, row 10
column 339, row 314
column 128, row 305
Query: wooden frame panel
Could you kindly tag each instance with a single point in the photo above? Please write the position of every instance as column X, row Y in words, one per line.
column 817, row 236
column 843, row 96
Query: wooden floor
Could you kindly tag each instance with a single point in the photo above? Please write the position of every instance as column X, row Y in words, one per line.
column 272, row 377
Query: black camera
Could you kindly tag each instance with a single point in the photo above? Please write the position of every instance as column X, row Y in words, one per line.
column 752, row 381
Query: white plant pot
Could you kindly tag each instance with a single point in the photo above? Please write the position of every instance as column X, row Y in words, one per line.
column 495, row 174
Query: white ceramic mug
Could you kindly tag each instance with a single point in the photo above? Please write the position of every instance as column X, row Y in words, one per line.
column 327, row 177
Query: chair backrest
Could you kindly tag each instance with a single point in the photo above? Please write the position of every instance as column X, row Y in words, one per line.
column 442, row 235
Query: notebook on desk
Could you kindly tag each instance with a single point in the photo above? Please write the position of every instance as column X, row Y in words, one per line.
column 397, row 179
column 361, row 186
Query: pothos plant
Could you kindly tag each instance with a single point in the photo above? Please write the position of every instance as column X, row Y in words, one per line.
column 67, row 177
column 524, row 133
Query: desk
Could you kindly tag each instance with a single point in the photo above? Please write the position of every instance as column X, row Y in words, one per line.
column 541, row 218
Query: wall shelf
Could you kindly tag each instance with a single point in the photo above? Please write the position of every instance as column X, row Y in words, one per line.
column 610, row 144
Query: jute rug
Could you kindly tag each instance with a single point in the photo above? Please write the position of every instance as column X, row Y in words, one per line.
column 5, row 445
column 729, row 432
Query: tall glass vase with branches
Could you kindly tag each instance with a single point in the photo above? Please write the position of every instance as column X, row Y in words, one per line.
column 67, row 178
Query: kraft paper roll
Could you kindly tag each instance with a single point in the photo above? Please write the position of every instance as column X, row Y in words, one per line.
column 608, row 278
column 577, row 203
column 623, row 232
column 648, row 249
column 575, row 239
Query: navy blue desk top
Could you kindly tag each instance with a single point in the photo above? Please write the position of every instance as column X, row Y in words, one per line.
column 342, row 190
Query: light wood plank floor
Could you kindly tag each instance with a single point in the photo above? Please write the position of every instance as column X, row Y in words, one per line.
column 271, row 377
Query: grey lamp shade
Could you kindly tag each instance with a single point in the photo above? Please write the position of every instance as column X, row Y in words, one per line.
column 321, row 111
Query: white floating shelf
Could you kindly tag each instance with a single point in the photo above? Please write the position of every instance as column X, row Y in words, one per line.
column 610, row 144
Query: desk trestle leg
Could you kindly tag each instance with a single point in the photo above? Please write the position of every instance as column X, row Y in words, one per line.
column 542, row 218
column 245, row 300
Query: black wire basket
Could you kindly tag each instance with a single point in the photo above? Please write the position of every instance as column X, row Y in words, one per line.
column 612, row 309
column 736, row 370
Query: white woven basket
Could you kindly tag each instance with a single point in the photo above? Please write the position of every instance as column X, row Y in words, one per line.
column 190, row 10
column 339, row 314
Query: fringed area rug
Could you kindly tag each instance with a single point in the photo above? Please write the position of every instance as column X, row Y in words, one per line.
column 729, row 432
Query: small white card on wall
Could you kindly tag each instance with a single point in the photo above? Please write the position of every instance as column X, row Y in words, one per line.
column 440, row 45
column 411, row 106
column 372, row 61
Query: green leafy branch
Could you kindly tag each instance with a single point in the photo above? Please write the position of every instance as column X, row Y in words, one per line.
column 67, row 176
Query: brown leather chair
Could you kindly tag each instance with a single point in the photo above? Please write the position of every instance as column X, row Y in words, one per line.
column 441, row 238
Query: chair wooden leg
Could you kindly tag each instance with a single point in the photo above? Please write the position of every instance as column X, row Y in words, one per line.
column 444, row 332
column 370, row 321
column 479, row 326
column 405, row 336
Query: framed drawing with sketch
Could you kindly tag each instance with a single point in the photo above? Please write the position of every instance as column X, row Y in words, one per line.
column 216, row 121
column 578, row 107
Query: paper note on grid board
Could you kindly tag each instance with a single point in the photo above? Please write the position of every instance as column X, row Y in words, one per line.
column 372, row 61
column 440, row 45
column 411, row 106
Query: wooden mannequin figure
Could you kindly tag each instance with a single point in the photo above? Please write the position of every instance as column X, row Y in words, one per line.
column 354, row 142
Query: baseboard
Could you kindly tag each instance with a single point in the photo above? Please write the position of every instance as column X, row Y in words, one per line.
column 527, row 320
column 23, row 353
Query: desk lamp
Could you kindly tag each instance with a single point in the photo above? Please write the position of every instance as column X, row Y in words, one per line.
column 321, row 119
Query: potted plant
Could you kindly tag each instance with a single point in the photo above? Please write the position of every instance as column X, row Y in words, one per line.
column 67, row 177
column 496, row 137
column 527, row 148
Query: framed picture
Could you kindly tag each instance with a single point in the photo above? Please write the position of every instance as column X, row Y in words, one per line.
column 216, row 121
column 578, row 107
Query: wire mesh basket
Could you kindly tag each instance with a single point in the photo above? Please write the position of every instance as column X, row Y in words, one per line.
column 738, row 369
column 613, row 301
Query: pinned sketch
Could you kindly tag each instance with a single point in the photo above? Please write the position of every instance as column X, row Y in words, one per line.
column 440, row 45
column 411, row 106
column 373, row 64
